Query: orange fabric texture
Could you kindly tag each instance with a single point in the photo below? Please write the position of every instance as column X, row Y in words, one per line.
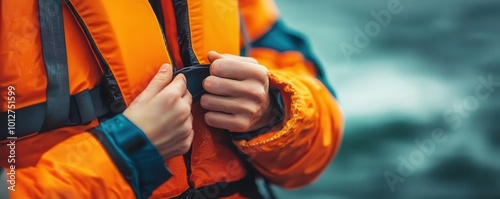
column 213, row 159
column 132, row 44
column 235, row 196
column 175, row 185
column 311, row 134
column 29, row 149
column 214, row 25
column 258, row 16
column 77, row 167
column 21, row 60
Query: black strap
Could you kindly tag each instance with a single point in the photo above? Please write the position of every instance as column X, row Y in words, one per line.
column 245, row 187
column 84, row 107
column 87, row 106
column 56, row 65
column 195, row 76
column 184, row 33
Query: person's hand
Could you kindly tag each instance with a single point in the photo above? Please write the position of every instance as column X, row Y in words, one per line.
column 163, row 112
column 238, row 93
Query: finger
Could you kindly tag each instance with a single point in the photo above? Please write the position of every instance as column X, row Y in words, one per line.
column 226, row 121
column 159, row 81
column 176, row 89
column 213, row 55
column 226, row 104
column 241, row 58
column 227, row 87
column 238, row 70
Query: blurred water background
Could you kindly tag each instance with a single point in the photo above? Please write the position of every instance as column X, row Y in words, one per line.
column 426, row 63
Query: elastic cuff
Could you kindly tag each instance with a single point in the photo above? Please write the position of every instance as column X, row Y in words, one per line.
column 135, row 156
column 279, row 112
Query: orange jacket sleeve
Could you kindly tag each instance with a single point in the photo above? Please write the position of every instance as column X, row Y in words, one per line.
column 95, row 164
column 295, row 153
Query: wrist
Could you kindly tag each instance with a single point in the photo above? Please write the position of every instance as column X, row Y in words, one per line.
column 133, row 154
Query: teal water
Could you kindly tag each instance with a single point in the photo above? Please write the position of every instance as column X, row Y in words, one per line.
column 425, row 64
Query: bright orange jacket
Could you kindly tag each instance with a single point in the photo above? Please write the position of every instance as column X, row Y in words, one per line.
column 116, row 48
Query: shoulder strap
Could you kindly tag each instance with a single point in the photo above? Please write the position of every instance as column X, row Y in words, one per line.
column 60, row 109
column 56, row 65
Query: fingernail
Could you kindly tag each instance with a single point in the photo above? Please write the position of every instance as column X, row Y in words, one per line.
column 164, row 68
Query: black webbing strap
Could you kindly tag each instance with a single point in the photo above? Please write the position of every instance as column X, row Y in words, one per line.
column 84, row 107
column 195, row 76
column 87, row 106
column 56, row 65
column 245, row 187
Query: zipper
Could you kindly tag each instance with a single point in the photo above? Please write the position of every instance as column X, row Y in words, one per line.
column 191, row 191
column 158, row 10
column 187, row 161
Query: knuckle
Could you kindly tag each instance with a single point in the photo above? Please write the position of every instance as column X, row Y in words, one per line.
column 205, row 101
column 241, row 125
column 250, row 109
column 209, row 119
column 209, row 83
column 185, row 131
column 215, row 67
column 263, row 74
column 248, row 90
column 190, row 120
column 259, row 94
column 159, row 78
column 188, row 95
column 251, row 59
column 184, row 148
column 184, row 109
column 174, row 94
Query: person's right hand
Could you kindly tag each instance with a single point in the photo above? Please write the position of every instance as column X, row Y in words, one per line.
column 163, row 112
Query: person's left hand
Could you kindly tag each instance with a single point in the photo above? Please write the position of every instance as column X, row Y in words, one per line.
column 238, row 93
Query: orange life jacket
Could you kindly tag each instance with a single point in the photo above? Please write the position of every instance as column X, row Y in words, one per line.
column 112, row 51
column 126, row 42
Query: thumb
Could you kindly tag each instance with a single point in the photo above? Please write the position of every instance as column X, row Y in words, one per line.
column 159, row 81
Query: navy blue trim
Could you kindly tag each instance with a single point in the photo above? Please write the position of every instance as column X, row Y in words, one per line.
column 276, row 100
column 184, row 33
column 157, row 9
column 282, row 39
column 134, row 155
